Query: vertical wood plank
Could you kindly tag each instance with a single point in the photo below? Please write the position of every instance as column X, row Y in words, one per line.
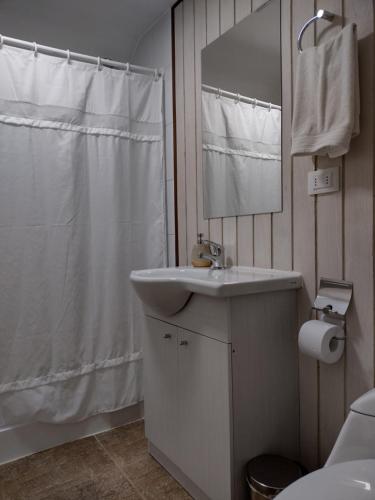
column 230, row 240
column 213, row 20
column 262, row 240
column 242, row 9
column 329, row 227
column 245, row 241
column 358, row 214
column 282, row 222
column 258, row 3
column 190, row 132
column 263, row 222
column 304, row 261
column 229, row 223
column 180, row 132
column 245, row 226
column 226, row 15
column 200, row 42
column 213, row 31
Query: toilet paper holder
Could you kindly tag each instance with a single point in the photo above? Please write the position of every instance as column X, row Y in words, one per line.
column 333, row 298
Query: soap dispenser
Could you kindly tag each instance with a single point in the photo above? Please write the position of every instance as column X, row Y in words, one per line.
column 198, row 249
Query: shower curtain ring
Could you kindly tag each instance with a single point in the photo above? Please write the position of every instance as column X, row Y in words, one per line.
column 270, row 106
column 35, row 49
column 238, row 98
column 127, row 70
column 68, row 56
column 156, row 75
column 99, row 63
column 1, row 41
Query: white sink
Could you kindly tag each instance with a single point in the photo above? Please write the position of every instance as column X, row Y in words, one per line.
column 166, row 291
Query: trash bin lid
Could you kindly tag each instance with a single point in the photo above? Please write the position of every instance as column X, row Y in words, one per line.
column 271, row 474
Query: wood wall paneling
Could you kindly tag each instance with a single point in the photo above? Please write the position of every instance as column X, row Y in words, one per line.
column 242, row 9
column 304, row 247
column 262, row 223
column 229, row 223
column 282, row 228
column 180, row 131
column 200, row 42
column 358, row 214
column 245, row 224
column 213, row 31
column 328, row 235
column 329, row 256
column 190, row 127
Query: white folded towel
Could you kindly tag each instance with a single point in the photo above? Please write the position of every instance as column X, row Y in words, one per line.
column 326, row 97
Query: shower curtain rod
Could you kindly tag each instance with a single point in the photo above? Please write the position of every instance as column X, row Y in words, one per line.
column 69, row 55
column 232, row 95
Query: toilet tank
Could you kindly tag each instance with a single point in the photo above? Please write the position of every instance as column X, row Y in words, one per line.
column 356, row 440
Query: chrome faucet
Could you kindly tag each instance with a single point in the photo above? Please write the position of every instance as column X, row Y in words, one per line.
column 216, row 255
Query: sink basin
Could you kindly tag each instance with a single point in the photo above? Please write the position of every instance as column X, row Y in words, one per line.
column 166, row 291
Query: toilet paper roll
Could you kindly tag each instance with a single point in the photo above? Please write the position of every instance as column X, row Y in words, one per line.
column 318, row 340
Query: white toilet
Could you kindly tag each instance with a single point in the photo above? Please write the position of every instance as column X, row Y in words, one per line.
column 349, row 473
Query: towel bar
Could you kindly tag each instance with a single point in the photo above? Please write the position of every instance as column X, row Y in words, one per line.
column 321, row 14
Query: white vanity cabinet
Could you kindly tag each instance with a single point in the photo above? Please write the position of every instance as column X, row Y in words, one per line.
column 221, row 386
column 187, row 404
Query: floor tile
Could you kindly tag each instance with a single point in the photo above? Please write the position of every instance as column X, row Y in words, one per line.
column 128, row 434
column 114, row 465
column 159, row 484
column 74, row 471
column 126, row 444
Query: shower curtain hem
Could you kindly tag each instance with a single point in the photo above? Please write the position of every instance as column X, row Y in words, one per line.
column 66, row 403
column 240, row 152
column 48, row 124
column 105, row 409
column 67, row 375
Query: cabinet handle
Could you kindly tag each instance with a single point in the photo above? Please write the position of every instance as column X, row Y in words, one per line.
column 184, row 342
column 167, row 336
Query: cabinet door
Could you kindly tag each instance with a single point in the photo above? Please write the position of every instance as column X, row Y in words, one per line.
column 160, row 386
column 204, row 404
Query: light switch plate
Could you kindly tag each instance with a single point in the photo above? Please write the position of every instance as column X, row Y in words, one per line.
column 323, row 181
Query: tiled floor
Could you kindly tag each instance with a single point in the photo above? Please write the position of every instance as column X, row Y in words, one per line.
column 114, row 465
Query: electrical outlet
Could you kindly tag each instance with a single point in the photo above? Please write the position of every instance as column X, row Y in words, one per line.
column 323, row 181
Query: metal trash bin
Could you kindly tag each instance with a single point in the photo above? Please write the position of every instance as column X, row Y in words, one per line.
column 269, row 475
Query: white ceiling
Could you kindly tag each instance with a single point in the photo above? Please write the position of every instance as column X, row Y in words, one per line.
column 109, row 28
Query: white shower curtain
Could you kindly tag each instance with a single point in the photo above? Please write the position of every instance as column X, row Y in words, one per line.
column 241, row 157
column 81, row 205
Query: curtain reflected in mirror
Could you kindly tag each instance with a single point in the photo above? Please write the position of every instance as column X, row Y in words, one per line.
column 241, row 118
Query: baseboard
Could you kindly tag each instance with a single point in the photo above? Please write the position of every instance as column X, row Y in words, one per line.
column 24, row 440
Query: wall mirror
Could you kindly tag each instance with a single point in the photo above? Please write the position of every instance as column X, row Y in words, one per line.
column 241, row 117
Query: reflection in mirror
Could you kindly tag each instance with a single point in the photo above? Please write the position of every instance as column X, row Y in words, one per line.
column 241, row 117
